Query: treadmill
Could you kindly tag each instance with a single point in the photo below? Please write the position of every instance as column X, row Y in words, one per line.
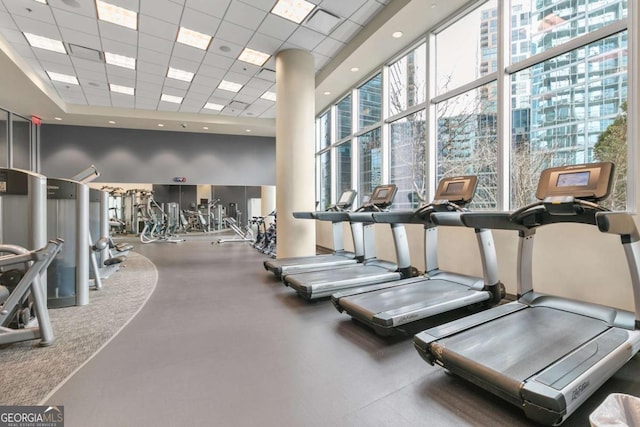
column 543, row 353
column 400, row 307
column 371, row 271
column 339, row 257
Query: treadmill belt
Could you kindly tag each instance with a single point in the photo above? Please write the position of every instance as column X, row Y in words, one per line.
column 406, row 297
column 523, row 343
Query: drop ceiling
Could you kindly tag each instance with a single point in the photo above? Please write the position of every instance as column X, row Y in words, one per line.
column 233, row 25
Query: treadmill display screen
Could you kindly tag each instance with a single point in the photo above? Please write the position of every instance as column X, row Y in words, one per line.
column 455, row 187
column 382, row 194
column 574, row 179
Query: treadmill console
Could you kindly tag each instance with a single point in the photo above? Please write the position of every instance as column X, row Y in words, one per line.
column 346, row 200
column 587, row 181
column 383, row 195
column 459, row 189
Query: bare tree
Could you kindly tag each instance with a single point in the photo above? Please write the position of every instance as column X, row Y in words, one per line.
column 612, row 147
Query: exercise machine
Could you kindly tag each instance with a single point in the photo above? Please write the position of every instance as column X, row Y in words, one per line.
column 318, row 284
column 22, row 292
column 401, row 306
column 339, row 257
column 544, row 353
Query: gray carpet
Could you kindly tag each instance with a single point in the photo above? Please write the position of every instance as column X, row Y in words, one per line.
column 28, row 373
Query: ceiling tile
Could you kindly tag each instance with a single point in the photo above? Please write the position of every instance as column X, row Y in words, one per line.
column 251, row 91
column 85, row 82
column 53, row 57
column 32, row 10
column 229, row 112
column 346, row 31
column 366, row 12
column 248, row 99
column 122, row 101
column 147, row 87
column 264, row 44
column 320, row 60
column 218, row 61
column 219, row 47
column 195, row 97
column 152, row 57
column 245, row 68
column 150, row 95
column 25, row 52
column 306, row 38
column 201, row 22
column 259, row 83
column 204, row 90
column 265, row 5
column 173, row 91
column 277, row 27
column 224, row 95
column 84, row 64
column 184, row 64
column 81, row 39
column 157, row 27
column 168, row 106
column 235, row 33
column 6, row 21
column 117, row 32
column 91, row 76
column 39, row 28
column 237, row 77
column 146, row 41
column 190, row 108
column 121, row 72
column 329, row 47
column 188, row 52
column 85, row 8
column 269, row 114
column 176, row 84
column 15, row 38
column 206, row 73
column 146, row 104
column 156, row 79
column 215, row 8
column 343, row 9
column 245, row 15
column 161, row 9
column 119, row 48
column 144, row 67
column 76, row 22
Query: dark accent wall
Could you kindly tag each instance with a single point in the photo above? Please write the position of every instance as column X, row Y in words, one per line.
column 146, row 156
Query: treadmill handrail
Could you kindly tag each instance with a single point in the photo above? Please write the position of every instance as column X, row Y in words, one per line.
column 304, row 215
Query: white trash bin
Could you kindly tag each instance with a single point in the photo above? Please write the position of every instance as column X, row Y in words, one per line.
column 617, row 410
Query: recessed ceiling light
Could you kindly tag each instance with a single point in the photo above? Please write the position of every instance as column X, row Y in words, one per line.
column 230, row 86
column 205, row 127
column 354, row 69
column 121, row 89
column 45, row 43
column 111, row 122
column 117, row 15
column 212, row 106
column 185, row 76
column 433, row 5
column 120, row 60
column 225, row 48
column 63, row 78
column 171, row 98
column 57, row 118
column 160, row 125
column 269, row 96
column 42, row 1
column 327, row 93
column 293, row 10
column 397, row 34
column 193, row 38
column 254, row 57
column 247, row 130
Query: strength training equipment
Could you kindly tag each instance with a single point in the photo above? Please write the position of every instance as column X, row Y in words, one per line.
column 400, row 306
column 544, row 353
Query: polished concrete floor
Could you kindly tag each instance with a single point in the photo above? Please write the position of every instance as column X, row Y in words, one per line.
column 222, row 343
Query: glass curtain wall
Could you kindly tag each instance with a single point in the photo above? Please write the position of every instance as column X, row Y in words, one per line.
column 536, row 83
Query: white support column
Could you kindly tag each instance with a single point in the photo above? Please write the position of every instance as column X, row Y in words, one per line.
column 295, row 149
column 267, row 201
